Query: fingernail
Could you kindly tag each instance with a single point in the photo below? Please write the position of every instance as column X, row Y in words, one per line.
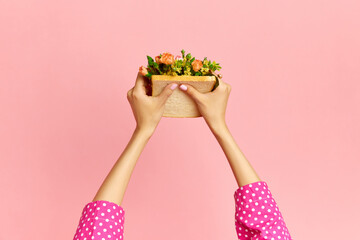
column 183, row 87
column 173, row 86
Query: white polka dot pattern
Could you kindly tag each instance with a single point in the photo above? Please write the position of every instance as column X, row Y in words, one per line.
column 257, row 215
column 101, row 220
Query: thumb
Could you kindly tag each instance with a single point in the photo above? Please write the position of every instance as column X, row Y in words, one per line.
column 191, row 91
column 167, row 91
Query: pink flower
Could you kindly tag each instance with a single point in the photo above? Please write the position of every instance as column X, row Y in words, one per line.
column 167, row 58
column 196, row 65
column 143, row 70
column 178, row 57
column 157, row 59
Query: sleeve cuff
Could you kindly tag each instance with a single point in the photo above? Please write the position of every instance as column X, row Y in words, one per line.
column 101, row 219
column 252, row 192
column 101, row 209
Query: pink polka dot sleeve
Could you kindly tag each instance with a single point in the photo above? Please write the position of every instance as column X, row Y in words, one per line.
column 257, row 215
column 101, row 220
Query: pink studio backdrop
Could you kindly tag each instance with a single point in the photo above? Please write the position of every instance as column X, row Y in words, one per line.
column 65, row 68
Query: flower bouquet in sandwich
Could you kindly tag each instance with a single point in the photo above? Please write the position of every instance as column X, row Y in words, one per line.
column 166, row 69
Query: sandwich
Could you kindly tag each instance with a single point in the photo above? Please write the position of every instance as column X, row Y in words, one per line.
column 166, row 69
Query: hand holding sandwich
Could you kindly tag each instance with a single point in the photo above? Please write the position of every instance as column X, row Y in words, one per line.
column 147, row 110
column 211, row 105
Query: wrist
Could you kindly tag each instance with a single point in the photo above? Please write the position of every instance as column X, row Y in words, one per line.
column 218, row 128
column 144, row 132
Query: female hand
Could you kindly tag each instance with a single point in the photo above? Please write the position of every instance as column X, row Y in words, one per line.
column 211, row 105
column 147, row 110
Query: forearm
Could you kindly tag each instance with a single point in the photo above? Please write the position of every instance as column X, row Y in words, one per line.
column 114, row 186
column 240, row 166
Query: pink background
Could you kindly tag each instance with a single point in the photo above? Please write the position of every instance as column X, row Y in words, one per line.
column 65, row 68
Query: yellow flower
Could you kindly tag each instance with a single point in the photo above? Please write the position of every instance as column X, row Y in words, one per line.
column 206, row 62
column 187, row 71
column 204, row 70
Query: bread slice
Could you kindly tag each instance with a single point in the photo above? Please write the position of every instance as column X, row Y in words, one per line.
column 179, row 104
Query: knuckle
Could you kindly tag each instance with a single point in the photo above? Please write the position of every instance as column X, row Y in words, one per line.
column 228, row 87
column 135, row 95
column 129, row 93
column 167, row 92
column 222, row 86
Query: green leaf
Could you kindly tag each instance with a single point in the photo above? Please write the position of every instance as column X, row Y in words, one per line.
column 150, row 61
column 192, row 59
column 151, row 70
column 156, row 66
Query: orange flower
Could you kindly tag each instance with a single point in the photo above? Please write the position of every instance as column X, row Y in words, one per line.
column 167, row 58
column 157, row 59
column 196, row 65
column 143, row 70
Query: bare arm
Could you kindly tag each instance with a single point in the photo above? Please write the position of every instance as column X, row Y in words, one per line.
column 114, row 186
column 212, row 106
column 105, row 211
column 147, row 111
column 240, row 166
column 257, row 215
